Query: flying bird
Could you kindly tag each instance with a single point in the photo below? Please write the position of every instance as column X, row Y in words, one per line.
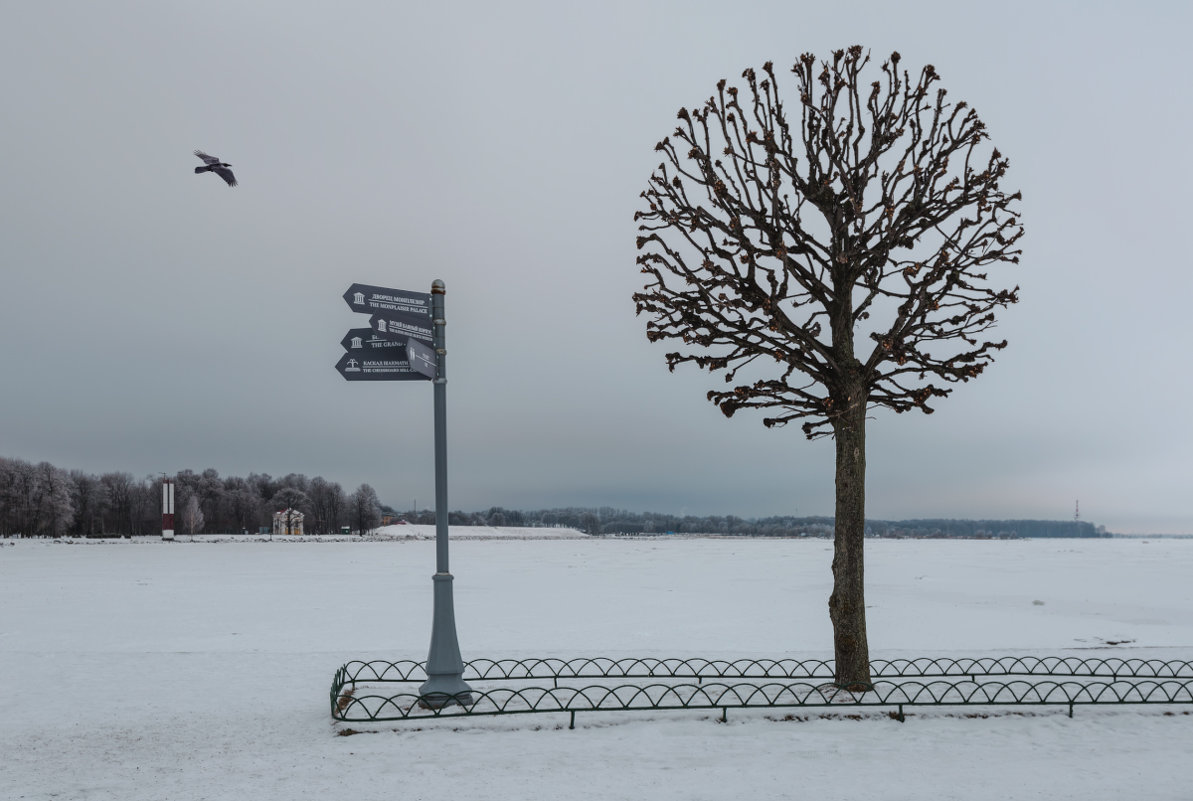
column 216, row 166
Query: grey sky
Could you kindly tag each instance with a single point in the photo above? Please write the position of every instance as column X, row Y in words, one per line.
column 153, row 320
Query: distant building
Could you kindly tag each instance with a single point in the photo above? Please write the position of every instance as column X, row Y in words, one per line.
column 287, row 521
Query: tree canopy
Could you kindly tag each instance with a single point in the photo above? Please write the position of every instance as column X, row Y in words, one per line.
column 771, row 237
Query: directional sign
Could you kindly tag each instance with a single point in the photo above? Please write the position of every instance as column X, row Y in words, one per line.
column 387, row 326
column 363, row 342
column 374, row 368
column 395, row 304
column 422, row 359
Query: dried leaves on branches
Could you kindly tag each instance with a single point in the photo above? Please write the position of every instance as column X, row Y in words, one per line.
column 777, row 230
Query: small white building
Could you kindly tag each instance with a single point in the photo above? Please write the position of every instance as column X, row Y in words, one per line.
column 287, row 521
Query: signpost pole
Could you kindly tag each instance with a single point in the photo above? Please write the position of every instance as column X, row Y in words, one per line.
column 445, row 669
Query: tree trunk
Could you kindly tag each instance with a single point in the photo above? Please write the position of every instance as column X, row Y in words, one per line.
column 847, row 604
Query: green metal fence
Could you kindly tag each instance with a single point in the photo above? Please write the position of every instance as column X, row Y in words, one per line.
column 359, row 691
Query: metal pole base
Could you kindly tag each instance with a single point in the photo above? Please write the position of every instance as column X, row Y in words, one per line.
column 440, row 691
column 445, row 684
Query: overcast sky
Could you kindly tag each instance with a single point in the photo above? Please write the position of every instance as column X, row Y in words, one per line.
column 153, row 320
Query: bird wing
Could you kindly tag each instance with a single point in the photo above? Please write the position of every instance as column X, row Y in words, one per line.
column 206, row 158
column 226, row 174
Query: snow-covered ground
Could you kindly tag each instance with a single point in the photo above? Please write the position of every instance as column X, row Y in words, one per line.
column 142, row 670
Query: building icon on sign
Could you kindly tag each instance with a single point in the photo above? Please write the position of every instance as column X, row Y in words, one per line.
column 356, row 342
column 358, row 298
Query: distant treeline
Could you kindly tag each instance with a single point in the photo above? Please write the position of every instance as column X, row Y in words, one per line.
column 41, row 500
column 611, row 521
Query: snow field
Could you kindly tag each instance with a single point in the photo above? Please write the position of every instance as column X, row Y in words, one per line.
column 146, row 670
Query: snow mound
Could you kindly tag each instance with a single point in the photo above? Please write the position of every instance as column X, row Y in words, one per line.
column 412, row 531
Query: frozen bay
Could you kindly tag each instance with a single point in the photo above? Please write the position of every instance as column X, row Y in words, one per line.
column 147, row 670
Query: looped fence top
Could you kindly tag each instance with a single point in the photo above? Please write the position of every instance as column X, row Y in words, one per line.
column 588, row 684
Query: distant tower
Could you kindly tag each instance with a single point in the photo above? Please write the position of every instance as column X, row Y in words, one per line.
column 1077, row 511
column 167, row 509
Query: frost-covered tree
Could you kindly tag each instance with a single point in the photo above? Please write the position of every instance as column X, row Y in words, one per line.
column 210, row 489
column 192, row 515
column 829, row 252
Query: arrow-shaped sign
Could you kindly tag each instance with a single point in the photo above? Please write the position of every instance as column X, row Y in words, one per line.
column 422, row 359
column 363, row 342
column 397, row 304
column 388, row 326
column 374, row 368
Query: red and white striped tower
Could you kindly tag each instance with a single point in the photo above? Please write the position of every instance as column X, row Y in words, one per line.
column 167, row 509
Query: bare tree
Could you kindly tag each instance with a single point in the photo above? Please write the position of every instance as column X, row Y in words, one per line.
column 328, row 505
column 242, row 505
column 364, row 510
column 290, row 498
column 120, row 509
column 145, row 506
column 55, row 499
column 18, row 480
column 90, row 502
column 774, row 246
